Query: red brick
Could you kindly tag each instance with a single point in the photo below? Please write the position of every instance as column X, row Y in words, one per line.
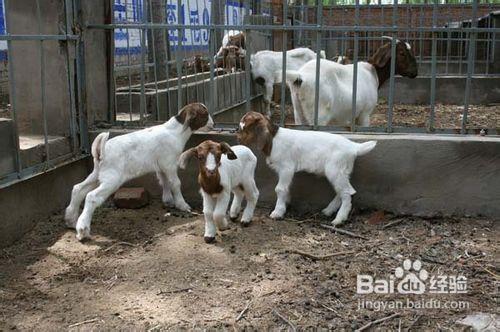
column 131, row 198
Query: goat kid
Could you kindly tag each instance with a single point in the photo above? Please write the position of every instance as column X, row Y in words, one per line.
column 264, row 64
column 122, row 158
column 222, row 170
column 289, row 151
column 232, row 38
column 335, row 86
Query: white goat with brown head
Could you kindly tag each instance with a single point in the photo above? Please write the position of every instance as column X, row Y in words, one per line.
column 123, row 158
column 289, row 151
column 222, row 170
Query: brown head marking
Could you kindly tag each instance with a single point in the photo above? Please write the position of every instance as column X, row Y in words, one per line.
column 194, row 116
column 406, row 64
column 209, row 154
column 257, row 130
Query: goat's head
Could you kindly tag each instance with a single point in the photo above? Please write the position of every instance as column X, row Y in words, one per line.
column 209, row 155
column 233, row 58
column 257, row 130
column 195, row 117
column 237, row 40
column 406, row 64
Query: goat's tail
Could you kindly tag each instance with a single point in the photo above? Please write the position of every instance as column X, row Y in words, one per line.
column 98, row 147
column 292, row 77
column 366, row 147
column 322, row 54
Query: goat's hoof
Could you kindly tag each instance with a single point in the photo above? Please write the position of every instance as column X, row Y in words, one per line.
column 327, row 212
column 276, row 215
column 209, row 239
column 183, row 207
column 233, row 219
column 70, row 223
column 336, row 222
column 246, row 223
column 83, row 234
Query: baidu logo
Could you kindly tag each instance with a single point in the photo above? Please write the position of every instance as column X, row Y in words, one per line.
column 411, row 278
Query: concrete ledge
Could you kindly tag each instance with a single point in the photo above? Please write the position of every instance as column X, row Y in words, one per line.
column 25, row 202
column 424, row 175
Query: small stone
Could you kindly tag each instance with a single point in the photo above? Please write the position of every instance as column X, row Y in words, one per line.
column 131, row 198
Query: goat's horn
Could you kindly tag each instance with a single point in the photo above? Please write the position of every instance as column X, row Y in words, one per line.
column 391, row 38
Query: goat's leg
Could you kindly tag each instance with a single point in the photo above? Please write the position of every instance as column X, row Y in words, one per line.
column 268, row 94
column 94, row 199
column 175, row 185
column 208, row 213
column 235, row 209
column 166, row 197
column 344, row 190
column 78, row 194
column 252, row 195
column 220, row 210
column 333, row 206
column 363, row 119
column 282, row 191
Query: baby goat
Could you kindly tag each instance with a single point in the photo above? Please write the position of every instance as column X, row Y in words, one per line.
column 222, row 170
column 289, row 151
column 122, row 158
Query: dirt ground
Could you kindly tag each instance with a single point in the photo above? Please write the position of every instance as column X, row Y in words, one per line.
column 408, row 115
column 145, row 272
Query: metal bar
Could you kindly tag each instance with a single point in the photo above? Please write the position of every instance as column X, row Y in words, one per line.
column 283, row 64
column 433, row 70
column 154, row 61
column 319, row 19
column 129, row 75
column 177, row 57
column 248, row 78
column 80, row 85
column 393, row 68
column 71, row 84
column 355, row 70
column 211, row 46
column 39, row 37
column 142, row 99
column 42, row 86
column 12, row 86
column 292, row 27
column 470, row 67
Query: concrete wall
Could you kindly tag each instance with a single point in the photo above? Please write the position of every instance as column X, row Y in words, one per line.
column 7, row 151
column 427, row 175
column 25, row 202
column 26, row 63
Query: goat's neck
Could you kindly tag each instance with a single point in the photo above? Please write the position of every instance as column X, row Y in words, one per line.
column 210, row 184
column 178, row 128
column 383, row 73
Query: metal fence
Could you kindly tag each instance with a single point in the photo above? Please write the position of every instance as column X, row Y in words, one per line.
column 458, row 40
column 157, row 44
column 42, row 125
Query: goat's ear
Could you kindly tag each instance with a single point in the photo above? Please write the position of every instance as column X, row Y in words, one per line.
column 225, row 148
column 183, row 159
column 382, row 56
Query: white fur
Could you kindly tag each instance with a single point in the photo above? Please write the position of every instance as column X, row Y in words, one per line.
column 319, row 153
column 122, row 158
column 233, row 173
column 335, row 93
column 210, row 163
column 265, row 63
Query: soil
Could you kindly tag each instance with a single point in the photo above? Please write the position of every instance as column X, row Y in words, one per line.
column 142, row 271
column 407, row 115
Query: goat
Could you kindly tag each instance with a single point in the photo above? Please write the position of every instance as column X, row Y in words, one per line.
column 288, row 151
column 232, row 38
column 335, row 86
column 122, row 158
column 264, row 64
column 233, row 59
column 222, row 170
